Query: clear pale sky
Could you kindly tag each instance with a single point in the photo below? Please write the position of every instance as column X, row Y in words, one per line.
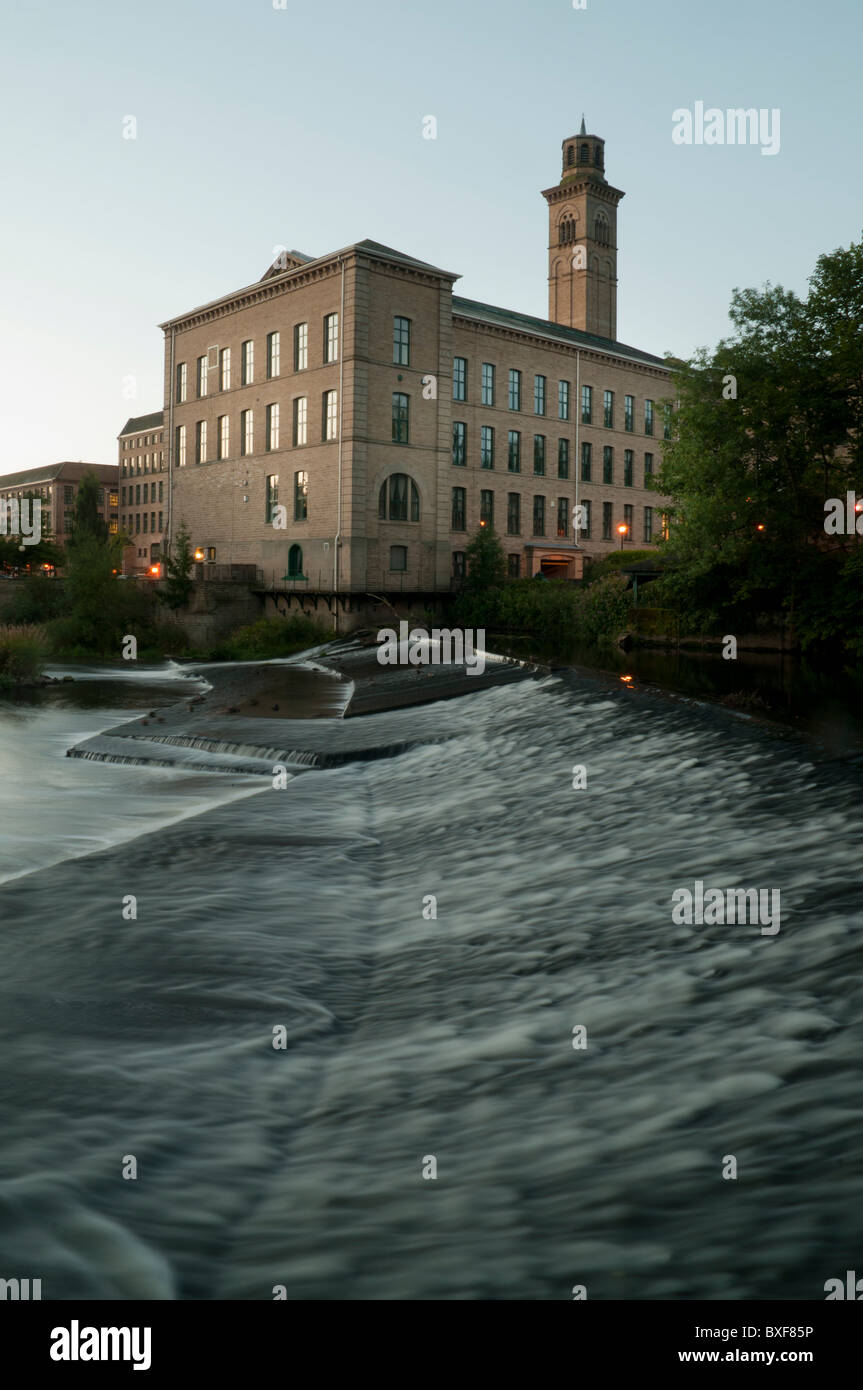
column 302, row 127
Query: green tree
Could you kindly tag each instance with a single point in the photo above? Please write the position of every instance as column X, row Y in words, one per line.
column 178, row 563
column 87, row 523
column 767, row 427
column 486, row 561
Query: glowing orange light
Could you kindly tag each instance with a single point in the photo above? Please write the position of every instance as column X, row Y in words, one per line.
column 154, row 569
column 199, row 554
column 627, row 680
column 760, row 526
column 622, row 530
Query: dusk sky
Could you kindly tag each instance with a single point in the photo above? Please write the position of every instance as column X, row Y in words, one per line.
column 259, row 127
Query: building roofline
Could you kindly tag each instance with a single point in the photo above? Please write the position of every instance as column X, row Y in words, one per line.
column 373, row 249
column 477, row 312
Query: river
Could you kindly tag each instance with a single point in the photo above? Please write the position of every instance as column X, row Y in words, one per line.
column 425, row 932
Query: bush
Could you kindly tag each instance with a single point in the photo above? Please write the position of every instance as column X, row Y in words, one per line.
column 31, row 600
column 22, row 654
column 556, row 613
column 271, row 637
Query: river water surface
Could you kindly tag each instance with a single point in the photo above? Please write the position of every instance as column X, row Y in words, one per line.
column 424, row 932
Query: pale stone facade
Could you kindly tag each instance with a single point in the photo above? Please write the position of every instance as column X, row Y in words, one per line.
column 361, row 418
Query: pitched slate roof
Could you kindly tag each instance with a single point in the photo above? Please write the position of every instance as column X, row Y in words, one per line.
column 525, row 323
column 139, row 423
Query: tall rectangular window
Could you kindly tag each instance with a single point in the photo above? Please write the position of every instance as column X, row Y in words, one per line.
column 539, row 516
column 628, row 467
column 648, row 417
column 224, row 428
column 539, row 395
column 486, row 506
column 459, row 496
column 137, row 494
column 539, row 453
column 648, row 524
column 585, row 520
column 486, row 446
column 514, row 389
column 629, row 413
column 459, row 443
column 606, row 521
column 301, row 496
column 301, row 347
column 181, row 384
column 666, row 421
column 513, row 514
column 272, row 497
column 563, row 400
column 458, row 566
column 608, row 409
column 201, row 378
column 398, row 558
column 459, row 378
column 401, row 418
column 161, row 526
column 161, row 498
column 664, row 525
column 586, row 459
column 144, row 497
column 247, row 363
column 648, row 469
column 225, row 369
column 401, row 341
column 514, row 451
column 628, row 521
column 273, row 354
column 201, row 442
column 562, row 516
column 331, row 338
column 181, row 446
column 272, row 429
column 563, row 458
column 607, row 464
column 330, row 415
column 300, row 423
column 247, row 432
column 487, row 393
column 586, row 404
column 513, row 566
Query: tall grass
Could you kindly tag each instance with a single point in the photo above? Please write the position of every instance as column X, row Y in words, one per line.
column 22, row 653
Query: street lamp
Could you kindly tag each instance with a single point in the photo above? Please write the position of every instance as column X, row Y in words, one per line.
column 621, row 531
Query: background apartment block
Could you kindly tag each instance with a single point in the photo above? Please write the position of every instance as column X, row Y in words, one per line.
column 57, row 488
column 143, row 491
column 379, row 417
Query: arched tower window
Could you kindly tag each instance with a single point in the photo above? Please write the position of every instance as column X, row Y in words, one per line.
column 600, row 230
column 295, row 562
column 597, row 156
column 570, row 154
column 585, row 154
column 567, row 229
column 396, row 491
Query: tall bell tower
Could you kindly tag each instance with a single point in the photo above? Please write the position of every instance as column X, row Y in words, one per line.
column 582, row 239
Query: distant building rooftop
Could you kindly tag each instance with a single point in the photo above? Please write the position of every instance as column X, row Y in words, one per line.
column 30, row 477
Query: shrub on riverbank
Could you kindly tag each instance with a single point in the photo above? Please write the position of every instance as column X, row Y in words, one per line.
column 271, row 637
column 22, row 654
column 556, row 613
